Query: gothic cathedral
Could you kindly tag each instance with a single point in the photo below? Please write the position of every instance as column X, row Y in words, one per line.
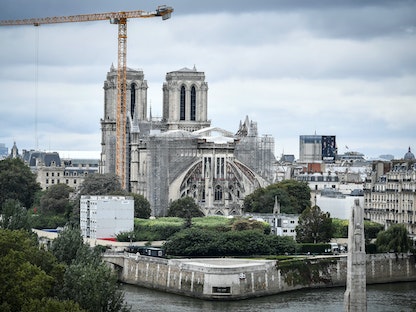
column 180, row 154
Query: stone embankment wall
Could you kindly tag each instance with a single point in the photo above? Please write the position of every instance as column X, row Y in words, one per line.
column 231, row 279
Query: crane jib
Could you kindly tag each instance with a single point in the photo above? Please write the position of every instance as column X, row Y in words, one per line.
column 162, row 11
column 119, row 18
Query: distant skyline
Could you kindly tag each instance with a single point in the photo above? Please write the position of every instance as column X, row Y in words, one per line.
column 343, row 68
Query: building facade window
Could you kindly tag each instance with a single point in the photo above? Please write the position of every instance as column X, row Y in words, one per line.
column 132, row 99
column 193, row 103
column 218, row 193
column 182, row 104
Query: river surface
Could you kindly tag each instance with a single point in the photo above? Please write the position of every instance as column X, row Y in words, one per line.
column 380, row 298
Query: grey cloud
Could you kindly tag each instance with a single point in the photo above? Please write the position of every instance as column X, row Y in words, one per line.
column 364, row 22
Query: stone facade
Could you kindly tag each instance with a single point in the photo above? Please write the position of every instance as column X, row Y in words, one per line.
column 232, row 279
column 390, row 194
column 50, row 169
column 181, row 154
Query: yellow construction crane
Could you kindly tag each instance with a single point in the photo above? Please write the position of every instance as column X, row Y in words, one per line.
column 119, row 18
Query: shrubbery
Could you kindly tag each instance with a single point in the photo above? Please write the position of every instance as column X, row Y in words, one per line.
column 163, row 228
column 152, row 230
column 209, row 243
column 371, row 229
column 340, row 227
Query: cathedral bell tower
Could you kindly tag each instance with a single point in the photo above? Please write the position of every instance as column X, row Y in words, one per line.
column 185, row 100
column 136, row 105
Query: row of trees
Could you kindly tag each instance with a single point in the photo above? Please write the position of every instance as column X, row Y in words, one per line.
column 202, row 242
column 53, row 207
column 23, row 201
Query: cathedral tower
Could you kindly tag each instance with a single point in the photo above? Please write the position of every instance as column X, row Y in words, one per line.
column 136, row 105
column 185, row 100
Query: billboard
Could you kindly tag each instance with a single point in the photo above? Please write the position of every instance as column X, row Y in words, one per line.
column 329, row 148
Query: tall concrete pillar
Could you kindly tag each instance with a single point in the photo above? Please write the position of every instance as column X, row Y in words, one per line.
column 355, row 297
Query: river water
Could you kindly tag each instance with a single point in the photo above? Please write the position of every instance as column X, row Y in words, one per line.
column 380, row 298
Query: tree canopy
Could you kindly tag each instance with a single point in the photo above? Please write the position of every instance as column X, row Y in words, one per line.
column 55, row 200
column 185, row 208
column 32, row 279
column 314, row 226
column 87, row 280
column 65, row 247
column 15, row 216
column 293, row 197
column 395, row 238
column 17, row 182
column 141, row 206
column 26, row 272
column 200, row 242
column 101, row 184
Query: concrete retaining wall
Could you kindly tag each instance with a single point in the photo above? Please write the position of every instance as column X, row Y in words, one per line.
column 231, row 279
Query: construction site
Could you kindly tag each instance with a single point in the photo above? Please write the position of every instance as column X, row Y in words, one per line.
column 179, row 154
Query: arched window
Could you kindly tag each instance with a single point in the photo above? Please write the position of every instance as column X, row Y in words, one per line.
column 193, row 103
column 218, row 193
column 182, row 104
column 132, row 99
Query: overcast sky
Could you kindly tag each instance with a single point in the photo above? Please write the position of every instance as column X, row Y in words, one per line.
column 344, row 68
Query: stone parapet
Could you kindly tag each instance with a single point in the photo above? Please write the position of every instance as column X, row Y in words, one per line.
column 233, row 279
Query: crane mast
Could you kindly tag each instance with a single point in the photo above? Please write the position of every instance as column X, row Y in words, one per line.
column 119, row 18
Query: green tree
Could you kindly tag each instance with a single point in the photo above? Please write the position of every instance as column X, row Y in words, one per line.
column 340, row 227
column 199, row 242
column 21, row 280
column 33, row 280
column 395, row 238
column 87, row 280
column 241, row 224
column 101, row 184
column 185, row 208
column 299, row 195
column 282, row 244
column 314, row 226
column 26, row 272
column 371, row 229
column 51, row 305
column 293, row 197
column 94, row 287
column 141, row 206
column 15, row 216
column 55, row 200
column 67, row 245
column 17, row 182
